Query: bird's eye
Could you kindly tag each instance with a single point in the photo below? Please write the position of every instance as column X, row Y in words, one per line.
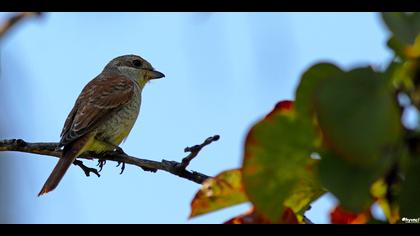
column 137, row 63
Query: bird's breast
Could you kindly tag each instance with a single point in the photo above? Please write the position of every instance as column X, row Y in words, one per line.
column 119, row 125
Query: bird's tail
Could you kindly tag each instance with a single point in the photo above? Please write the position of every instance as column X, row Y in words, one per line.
column 70, row 152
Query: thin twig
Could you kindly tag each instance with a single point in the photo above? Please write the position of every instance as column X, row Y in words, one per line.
column 173, row 167
column 12, row 21
column 194, row 150
column 306, row 220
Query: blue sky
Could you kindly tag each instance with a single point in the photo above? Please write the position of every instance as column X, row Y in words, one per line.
column 224, row 71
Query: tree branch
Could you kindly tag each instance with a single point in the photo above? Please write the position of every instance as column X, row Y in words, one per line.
column 173, row 167
column 194, row 150
column 9, row 23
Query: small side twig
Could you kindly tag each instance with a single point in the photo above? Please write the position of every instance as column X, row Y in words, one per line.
column 12, row 21
column 306, row 220
column 194, row 150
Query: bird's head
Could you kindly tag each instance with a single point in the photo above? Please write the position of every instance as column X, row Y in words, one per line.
column 135, row 68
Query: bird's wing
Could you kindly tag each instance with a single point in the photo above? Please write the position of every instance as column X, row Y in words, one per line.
column 99, row 98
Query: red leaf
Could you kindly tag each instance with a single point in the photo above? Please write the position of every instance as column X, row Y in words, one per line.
column 249, row 217
column 289, row 217
column 253, row 217
column 341, row 216
column 282, row 106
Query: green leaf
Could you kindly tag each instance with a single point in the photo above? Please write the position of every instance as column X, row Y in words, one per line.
column 305, row 92
column 396, row 46
column 358, row 115
column 360, row 123
column 277, row 168
column 305, row 192
column 349, row 183
column 410, row 194
column 219, row 192
column 404, row 26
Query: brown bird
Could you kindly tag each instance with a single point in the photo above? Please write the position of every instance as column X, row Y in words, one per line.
column 104, row 113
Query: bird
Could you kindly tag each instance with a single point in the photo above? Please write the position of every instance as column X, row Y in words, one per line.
column 104, row 112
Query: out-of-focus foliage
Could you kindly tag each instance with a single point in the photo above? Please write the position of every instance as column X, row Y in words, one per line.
column 341, row 216
column 254, row 217
column 343, row 134
column 216, row 193
column 279, row 174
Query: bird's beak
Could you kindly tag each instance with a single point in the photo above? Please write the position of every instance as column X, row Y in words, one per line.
column 154, row 74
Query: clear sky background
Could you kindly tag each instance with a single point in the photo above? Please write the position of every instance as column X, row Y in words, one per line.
column 224, row 71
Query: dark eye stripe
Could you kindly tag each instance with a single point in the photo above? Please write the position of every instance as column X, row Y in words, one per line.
column 137, row 63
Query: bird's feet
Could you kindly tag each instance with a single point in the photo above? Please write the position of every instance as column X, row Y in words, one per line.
column 118, row 150
column 101, row 164
column 86, row 169
column 121, row 151
column 122, row 166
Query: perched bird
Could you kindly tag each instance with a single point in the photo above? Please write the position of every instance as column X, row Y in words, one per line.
column 104, row 113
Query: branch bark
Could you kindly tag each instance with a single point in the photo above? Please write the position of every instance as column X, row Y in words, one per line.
column 173, row 167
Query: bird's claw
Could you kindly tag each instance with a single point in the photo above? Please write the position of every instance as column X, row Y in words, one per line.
column 122, row 166
column 101, row 164
column 86, row 169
